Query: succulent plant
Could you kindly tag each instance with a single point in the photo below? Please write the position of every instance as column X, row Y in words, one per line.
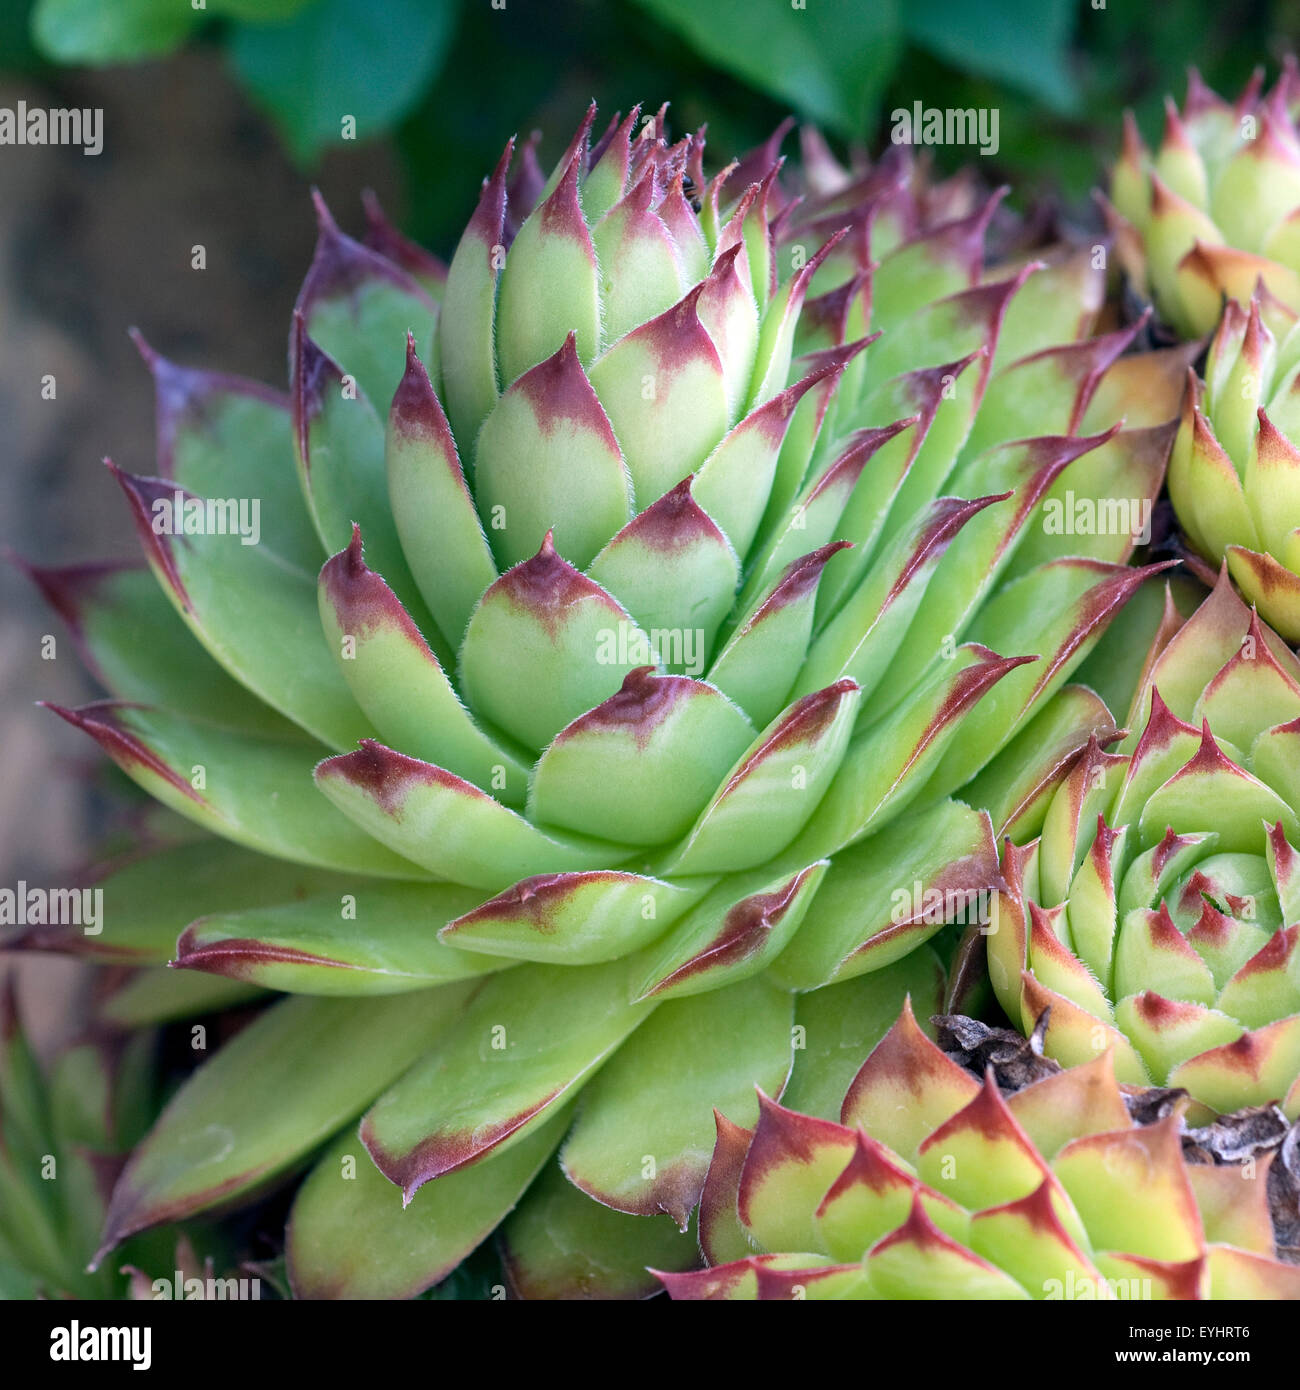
column 1158, row 914
column 63, row 1134
column 1216, row 210
column 1234, row 475
column 935, row 1186
column 638, row 683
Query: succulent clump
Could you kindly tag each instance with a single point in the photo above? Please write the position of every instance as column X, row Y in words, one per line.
column 1158, row 913
column 936, row 1185
column 1234, row 474
column 1215, row 210
column 639, row 603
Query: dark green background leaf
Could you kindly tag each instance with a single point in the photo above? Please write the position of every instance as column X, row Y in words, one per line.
column 1024, row 43
column 336, row 59
column 831, row 58
column 110, row 31
column 258, row 11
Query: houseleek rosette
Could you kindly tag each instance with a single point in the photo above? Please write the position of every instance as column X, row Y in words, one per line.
column 1158, row 913
column 1234, row 475
column 935, row 1186
column 644, row 669
column 1216, row 209
column 64, row 1134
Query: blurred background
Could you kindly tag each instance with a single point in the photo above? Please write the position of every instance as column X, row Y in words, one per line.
column 219, row 115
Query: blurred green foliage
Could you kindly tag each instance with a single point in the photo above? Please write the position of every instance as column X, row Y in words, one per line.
column 829, row 60
column 90, row 31
column 446, row 78
column 335, row 59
